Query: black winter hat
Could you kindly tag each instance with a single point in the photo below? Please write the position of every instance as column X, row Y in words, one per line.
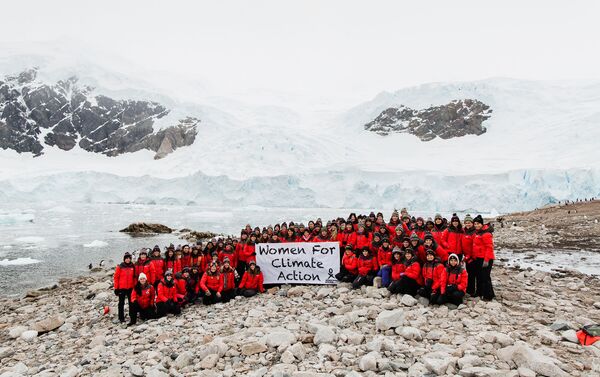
column 428, row 236
column 430, row 251
column 127, row 255
column 478, row 219
column 454, row 218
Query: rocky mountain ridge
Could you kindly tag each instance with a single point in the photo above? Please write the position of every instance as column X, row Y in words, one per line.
column 34, row 115
column 455, row 119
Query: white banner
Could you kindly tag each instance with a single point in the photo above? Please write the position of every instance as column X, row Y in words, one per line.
column 299, row 262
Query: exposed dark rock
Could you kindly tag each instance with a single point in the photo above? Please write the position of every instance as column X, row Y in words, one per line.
column 34, row 114
column 193, row 236
column 458, row 118
column 146, row 228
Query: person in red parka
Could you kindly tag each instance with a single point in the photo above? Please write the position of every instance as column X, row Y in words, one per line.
column 419, row 228
column 397, row 264
column 142, row 299
column 348, row 267
column 399, row 236
column 473, row 264
column 439, row 231
column 410, row 277
column 252, row 281
column 247, row 255
column 212, row 285
column 306, row 236
column 171, row 262
column 417, row 245
column 144, row 265
column 124, row 281
column 197, row 258
column 454, row 283
column 230, row 277
column 192, row 286
column 181, row 281
column 166, row 298
column 158, row 264
column 454, row 237
column 362, row 239
column 394, row 222
column 228, row 253
column 185, row 257
column 483, row 247
column 384, row 260
column 430, row 243
column 323, row 236
column 348, row 235
column 367, row 269
column 433, row 278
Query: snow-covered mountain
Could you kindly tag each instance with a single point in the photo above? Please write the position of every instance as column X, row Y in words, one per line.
column 540, row 145
column 34, row 114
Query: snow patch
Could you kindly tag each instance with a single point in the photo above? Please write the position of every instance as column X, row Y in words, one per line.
column 96, row 243
column 30, row 240
column 18, row 261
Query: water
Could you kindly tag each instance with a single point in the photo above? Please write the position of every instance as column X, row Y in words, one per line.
column 43, row 242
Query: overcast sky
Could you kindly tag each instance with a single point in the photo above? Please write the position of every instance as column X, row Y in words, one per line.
column 325, row 47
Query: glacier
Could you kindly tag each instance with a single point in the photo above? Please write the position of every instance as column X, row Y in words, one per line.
column 421, row 191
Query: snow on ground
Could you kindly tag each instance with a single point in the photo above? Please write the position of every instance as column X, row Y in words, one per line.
column 18, row 261
column 95, row 244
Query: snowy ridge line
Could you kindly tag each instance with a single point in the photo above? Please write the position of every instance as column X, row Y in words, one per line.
column 492, row 193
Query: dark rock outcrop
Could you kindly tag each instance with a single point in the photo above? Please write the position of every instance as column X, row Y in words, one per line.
column 34, row 114
column 142, row 228
column 455, row 119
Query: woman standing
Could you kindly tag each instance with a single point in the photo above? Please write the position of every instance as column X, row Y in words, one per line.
column 473, row 264
column 483, row 245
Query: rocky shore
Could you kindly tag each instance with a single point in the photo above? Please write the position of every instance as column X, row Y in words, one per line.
column 573, row 226
column 306, row 331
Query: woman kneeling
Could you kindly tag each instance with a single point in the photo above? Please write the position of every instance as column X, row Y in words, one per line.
column 407, row 282
column 212, row 285
column 454, row 282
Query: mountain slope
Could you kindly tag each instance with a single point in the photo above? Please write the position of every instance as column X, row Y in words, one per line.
column 34, row 114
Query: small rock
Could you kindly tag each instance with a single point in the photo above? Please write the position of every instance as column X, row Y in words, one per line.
column 525, row 372
column 253, row 348
column 287, row 357
column 209, row 361
column 389, row 319
column 136, row 370
column 16, row 331
column 183, row 360
column 279, row 336
column 324, row 334
column 368, row 362
column 48, row 324
column 409, row 333
column 99, row 287
column 408, row 300
column 570, row 336
column 29, row 335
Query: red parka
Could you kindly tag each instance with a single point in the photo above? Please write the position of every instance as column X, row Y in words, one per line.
column 166, row 291
column 466, row 242
column 454, row 237
column 350, row 263
column 367, row 265
column 147, row 268
column 384, row 256
column 211, row 281
column 440, row 234
column 362, row 240
column 228, row 277
column 159, row 269
column 253, row 280
column 433, row 273
column 145, row 298
column 455, row 276
column 174, row 265
column 248, row 253
column 124, row 277
column 483, row 244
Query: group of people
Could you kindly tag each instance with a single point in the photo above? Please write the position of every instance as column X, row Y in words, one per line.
column 434, row 258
